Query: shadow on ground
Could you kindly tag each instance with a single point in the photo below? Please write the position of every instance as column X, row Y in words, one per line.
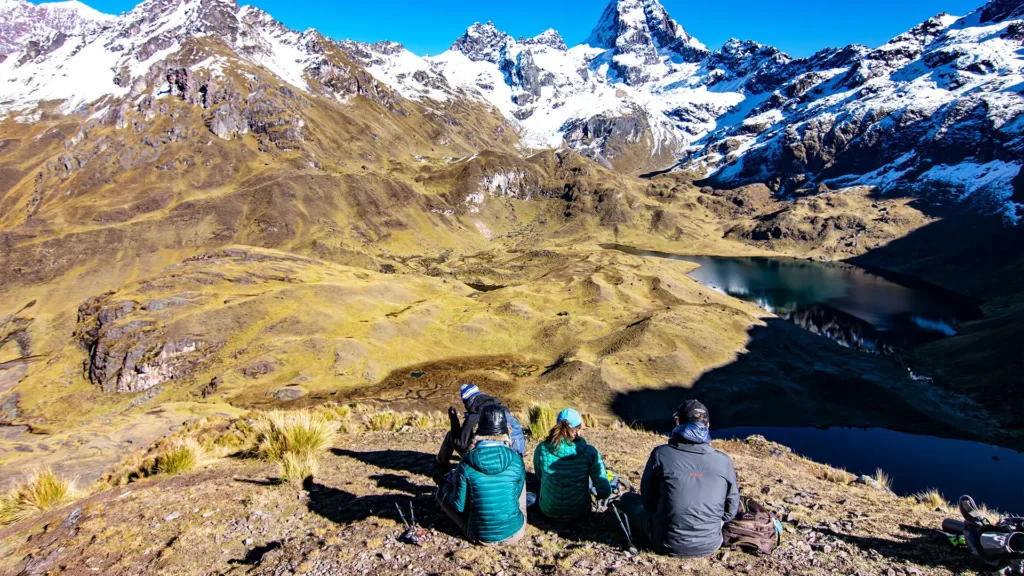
column 420, row 463
column 790, row 377
column 926, row 548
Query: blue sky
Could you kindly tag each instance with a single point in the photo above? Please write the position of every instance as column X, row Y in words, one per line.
column 799, row 27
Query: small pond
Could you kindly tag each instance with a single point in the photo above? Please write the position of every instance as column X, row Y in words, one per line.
column 954, row 467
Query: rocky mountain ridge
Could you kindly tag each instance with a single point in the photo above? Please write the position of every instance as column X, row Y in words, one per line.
column 936, row 111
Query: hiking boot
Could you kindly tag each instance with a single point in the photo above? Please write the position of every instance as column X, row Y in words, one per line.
column 970, row 511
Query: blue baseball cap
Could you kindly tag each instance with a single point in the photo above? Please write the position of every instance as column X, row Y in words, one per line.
column 571, row 416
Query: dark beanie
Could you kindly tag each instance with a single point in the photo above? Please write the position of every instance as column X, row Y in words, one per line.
column 692, row 411
column 492, row 421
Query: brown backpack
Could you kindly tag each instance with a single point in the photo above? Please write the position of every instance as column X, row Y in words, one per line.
column 752, row 530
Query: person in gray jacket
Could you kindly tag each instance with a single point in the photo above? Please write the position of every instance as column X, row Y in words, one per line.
column 687, row 493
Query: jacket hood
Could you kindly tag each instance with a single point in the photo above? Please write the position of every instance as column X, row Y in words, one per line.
column 566, row 448
column 477, row 402
column 490, row 457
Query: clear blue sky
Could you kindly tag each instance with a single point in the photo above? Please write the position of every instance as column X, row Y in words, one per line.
column 799, row 27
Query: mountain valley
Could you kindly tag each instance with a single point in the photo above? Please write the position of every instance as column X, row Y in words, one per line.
column 204, row 213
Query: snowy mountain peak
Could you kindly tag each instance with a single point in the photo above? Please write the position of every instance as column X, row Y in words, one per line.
column 483, row 42
column 549, row 37
column 641, row 33
column 22, row 22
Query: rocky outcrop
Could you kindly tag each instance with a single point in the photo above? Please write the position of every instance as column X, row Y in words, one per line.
column 128, row 351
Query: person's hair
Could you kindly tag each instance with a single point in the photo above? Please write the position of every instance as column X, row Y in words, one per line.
column 561, row 431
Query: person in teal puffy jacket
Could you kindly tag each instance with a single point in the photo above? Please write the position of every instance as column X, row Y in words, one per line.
column 486, row 494
column 566, row 467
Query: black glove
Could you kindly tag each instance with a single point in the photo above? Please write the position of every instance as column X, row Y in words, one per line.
column 454, row 422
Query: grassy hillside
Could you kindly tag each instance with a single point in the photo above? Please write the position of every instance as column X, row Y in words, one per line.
column 232, row 515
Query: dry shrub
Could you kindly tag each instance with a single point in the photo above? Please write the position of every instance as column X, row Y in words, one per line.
column 590, row 421
column 41, row 491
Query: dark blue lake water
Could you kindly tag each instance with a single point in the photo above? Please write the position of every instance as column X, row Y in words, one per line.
column 845, row 303
column 990, row 474
column 872, row 312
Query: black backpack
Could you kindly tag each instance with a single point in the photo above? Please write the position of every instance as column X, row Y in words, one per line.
column 754, row 529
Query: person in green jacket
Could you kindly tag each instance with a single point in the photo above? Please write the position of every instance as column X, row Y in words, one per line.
column 486, row 494
column 564, row 462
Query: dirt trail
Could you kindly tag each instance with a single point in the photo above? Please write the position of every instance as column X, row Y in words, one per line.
column 230, row 518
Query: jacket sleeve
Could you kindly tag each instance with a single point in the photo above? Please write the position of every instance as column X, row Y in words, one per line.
column 599, row 476
column 538, row 467
column 458, row 496
column 650, row 484
column 468, row 429
column 732, row 497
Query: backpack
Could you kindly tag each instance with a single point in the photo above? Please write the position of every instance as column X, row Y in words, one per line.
column 1000, row 545
column 515, row 433
column 754, row 529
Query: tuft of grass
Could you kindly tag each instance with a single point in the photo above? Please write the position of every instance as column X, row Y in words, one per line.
column 542, row 419
column 589, row 420
column 384, row 421
column 420, row 421
column 335, row 412
column 39, row 492
column 884, row 479
column 837, row 475
column 931, row 498
column 179, row 456
column 296, row 468
column 301, row 432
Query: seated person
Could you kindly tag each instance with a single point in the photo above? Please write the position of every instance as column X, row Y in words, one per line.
column 486, row 494
column 567, row 467
column 688, row 491
column 460, row 438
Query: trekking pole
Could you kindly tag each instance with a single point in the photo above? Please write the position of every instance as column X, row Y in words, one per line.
column 401, row 515
column 412, row 514
column 624, row 524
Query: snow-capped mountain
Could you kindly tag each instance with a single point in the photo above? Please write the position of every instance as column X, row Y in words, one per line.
column 22, row 22
column 936, row 110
